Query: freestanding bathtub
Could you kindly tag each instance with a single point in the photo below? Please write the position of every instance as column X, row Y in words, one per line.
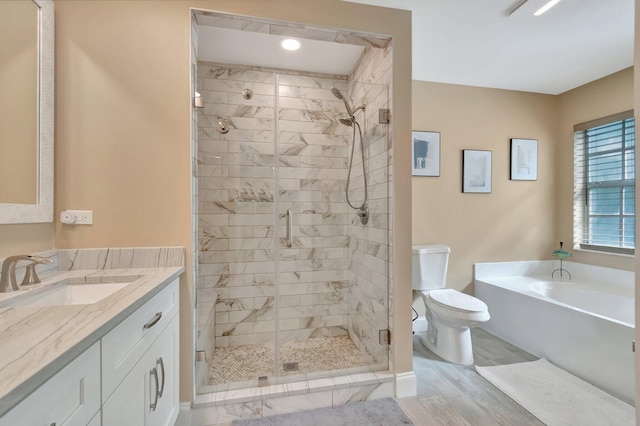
column 584, row 325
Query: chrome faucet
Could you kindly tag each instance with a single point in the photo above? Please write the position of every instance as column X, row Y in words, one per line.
column 8, row 281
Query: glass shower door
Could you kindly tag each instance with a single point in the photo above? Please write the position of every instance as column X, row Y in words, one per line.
column 326, row 292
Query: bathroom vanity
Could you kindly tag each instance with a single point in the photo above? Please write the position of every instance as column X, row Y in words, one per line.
column 79, row 361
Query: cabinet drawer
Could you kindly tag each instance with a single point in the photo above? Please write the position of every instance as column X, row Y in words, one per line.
column 123, row 346
column 71, row 397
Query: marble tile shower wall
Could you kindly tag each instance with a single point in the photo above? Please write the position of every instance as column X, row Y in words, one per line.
column 369, row 272
column 240, row 190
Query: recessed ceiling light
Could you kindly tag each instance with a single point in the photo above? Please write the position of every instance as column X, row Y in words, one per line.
column 290, row 44
column 546, row 7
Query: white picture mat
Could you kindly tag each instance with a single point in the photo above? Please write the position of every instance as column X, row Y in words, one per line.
column 476, row 171
column 524, row 159
column 425, row 153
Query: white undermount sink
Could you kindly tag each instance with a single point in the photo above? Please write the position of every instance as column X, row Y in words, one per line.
column 65, row 293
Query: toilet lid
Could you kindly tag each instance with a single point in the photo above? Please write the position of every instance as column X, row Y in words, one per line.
column 453, row 299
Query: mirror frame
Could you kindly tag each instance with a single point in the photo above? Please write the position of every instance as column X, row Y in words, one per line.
column 42, row 211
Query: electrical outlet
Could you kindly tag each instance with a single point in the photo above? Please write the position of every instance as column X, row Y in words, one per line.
column 77, row 217
column 84, row 217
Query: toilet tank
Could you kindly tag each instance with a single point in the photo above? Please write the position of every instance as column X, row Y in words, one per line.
column 430, row 266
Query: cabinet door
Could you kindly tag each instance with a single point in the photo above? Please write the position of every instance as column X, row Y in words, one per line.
column 164, row 356
column 128, row 405
column 71, row 397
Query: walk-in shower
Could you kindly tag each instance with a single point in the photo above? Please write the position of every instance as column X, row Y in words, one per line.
column 291, row 285
column 363, row 210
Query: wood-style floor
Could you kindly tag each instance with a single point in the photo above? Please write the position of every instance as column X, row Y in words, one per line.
column 450, row 394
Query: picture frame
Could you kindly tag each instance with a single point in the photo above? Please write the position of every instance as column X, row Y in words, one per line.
column 476, row 171
column 524, row 159
column 425, row 153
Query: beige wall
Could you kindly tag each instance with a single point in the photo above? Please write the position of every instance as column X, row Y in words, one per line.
column 518, row 220
column 122, row 127
column 515, row 221
column 25, row 238
column 122, row 130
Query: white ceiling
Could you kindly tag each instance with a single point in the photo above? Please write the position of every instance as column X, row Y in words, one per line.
column 468, row 42
column 476, row 43
column 264, row 50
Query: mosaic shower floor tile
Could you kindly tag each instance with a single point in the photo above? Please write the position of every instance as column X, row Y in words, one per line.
column 248, row 362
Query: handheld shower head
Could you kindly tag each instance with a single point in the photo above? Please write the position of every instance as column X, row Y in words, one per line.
column 338, row 94
column 346, row 121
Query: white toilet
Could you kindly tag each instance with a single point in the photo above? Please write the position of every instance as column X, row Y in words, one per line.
column 449, row 313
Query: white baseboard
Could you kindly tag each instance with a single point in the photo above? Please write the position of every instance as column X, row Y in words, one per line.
column 184, row 415
column 406, row 384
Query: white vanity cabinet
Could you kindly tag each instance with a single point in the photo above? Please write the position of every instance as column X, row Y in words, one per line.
column 128, row 377
column 140, row 365
column 71, row 397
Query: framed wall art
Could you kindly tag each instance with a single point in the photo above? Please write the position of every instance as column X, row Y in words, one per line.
column 425, row 148
column 476, row 171
column 524, row 159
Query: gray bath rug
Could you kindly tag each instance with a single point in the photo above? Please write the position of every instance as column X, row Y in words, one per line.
column 556, row 397
column 377, row 412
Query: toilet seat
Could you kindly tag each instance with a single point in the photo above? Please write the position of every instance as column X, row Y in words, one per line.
column 456, row 301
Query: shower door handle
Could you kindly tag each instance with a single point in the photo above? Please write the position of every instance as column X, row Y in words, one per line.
column 289, row 227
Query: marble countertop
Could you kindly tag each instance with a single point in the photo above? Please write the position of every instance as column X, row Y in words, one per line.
column 37, row 342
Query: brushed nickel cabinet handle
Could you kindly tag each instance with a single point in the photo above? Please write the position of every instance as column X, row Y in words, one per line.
column 154, row 404
column 153, row 321
column 160, row 361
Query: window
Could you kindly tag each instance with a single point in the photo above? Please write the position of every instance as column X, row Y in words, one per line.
column 604, row 184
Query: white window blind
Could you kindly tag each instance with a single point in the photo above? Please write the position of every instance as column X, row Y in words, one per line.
column 604, row 184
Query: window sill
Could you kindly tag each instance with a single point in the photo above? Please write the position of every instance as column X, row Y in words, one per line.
column 606, row 253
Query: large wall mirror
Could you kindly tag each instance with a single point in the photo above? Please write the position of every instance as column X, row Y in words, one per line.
column 26, row 111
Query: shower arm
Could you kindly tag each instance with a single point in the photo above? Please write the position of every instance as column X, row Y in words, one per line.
column 362, row 107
